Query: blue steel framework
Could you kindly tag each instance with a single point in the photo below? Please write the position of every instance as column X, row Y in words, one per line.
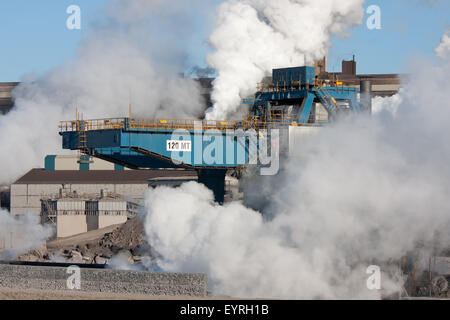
column 143, row 143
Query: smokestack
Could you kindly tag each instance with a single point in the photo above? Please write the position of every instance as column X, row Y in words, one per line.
column 366, row 95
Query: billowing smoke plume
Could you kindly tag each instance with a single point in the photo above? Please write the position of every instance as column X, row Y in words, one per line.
column 391, row 104
column 132, row 54
column 387, row 104
column 254, row 36
column 18, row 235
column 443, row 50
column 363, row 191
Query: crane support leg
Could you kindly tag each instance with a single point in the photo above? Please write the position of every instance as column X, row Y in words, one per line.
column 215, row 181
column 306, row 108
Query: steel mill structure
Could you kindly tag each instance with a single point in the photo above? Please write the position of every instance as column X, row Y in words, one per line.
column 295, row 103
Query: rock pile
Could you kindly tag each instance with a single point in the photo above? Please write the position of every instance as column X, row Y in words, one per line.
column 127, row 239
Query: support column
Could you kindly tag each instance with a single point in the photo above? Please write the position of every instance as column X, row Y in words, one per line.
column 214, row 179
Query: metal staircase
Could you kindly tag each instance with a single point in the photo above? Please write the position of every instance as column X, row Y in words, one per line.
column 327, row 101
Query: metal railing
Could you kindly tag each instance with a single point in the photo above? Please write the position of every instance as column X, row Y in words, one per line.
column 91, row 125
column 175, row 124
column 172, row 124
column 340, row 85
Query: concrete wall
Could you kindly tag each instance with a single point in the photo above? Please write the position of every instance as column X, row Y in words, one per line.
column 26, row 198
column 67, row 163
column 111, row 213
column 104, row 280
column 70, row 162
column 70, row 224
column 22, row 202
column 73, row 219
column 99, row 164
column 111, row 220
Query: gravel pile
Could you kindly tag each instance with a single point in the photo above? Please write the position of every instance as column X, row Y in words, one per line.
column 126, row 240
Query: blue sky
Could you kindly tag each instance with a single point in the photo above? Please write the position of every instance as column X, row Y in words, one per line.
column 35, row 38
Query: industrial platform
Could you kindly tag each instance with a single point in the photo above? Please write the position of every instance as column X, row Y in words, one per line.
column 296, row 99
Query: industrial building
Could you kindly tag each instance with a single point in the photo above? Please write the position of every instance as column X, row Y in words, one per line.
column 383, row 85
column 102, row 171
column 28, row 191
column 75, row 214
column 297, row 100
column 6, row 99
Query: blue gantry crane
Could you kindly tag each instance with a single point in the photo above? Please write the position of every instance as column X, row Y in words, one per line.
column 294, row 100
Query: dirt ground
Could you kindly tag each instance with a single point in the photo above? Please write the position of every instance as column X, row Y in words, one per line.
column 14, row 294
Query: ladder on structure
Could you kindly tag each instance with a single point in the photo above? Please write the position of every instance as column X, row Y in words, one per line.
column 328, row 102
column 82, row 142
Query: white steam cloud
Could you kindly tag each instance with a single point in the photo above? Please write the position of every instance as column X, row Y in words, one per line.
column 133, row 54
column 18, row 235
column 254, row 36
column 363, row 191
column 387, row 104
column 443, row 50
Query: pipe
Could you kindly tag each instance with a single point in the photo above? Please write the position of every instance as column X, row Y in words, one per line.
column 366, row 95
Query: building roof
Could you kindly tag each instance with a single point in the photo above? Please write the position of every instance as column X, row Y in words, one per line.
column 42, row 176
